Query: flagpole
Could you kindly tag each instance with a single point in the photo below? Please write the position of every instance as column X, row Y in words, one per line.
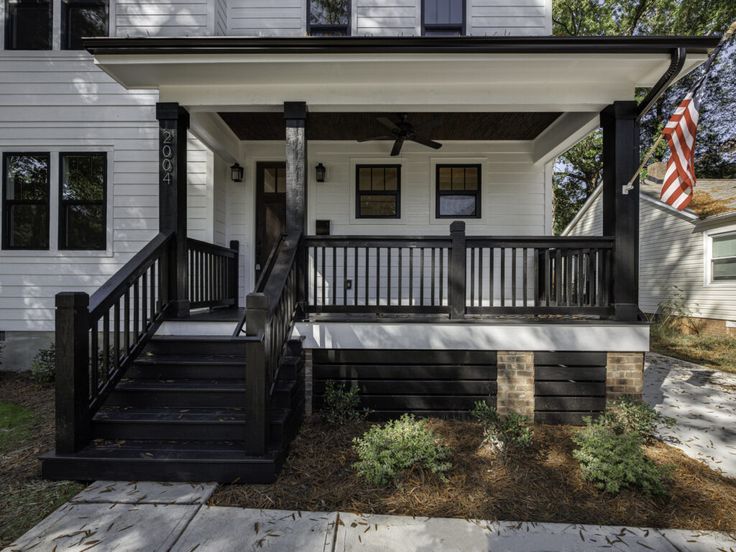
column 728, row 35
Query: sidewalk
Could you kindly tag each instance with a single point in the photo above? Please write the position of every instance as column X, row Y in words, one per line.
column 173, row 517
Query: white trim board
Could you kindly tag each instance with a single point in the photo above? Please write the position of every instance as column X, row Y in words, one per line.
column 490, row 337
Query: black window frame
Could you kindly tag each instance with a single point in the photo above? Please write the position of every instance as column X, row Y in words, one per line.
column 477, row 194
column 445, row 29
column 65, row 22
column 6, row 203
column 9, row 27
column 328, row 29
column 720, row 260
column 64, row 202
column 396, row 193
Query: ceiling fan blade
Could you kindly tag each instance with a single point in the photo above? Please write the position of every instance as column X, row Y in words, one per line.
column 396, row 150
column 388, row 123
column 375, row 138
column 426, row 142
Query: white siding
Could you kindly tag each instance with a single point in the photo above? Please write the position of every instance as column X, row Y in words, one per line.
column 386, row 17
column 200, row 190
column 163, row 17
column 671, row 253
column 510, row 17
column 267, row 18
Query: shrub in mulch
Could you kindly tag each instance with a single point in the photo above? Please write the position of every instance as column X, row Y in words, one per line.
column 543, row 483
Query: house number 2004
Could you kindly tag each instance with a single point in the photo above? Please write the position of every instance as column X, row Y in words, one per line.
column 167, row 154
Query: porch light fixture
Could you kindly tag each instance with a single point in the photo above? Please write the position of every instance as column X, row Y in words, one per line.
column 236, row 173
column 320, row 171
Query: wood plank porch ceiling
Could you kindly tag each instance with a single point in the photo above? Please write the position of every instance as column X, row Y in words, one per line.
column 355, row 126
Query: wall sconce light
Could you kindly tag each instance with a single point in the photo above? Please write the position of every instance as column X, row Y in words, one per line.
column 321, row 172
column 236, row 173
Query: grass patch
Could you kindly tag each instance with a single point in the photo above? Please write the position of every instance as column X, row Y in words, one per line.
column 715, row 352
column 544, row 484
column 26, row 430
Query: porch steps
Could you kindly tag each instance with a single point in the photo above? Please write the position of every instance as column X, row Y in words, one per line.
column 179, row 414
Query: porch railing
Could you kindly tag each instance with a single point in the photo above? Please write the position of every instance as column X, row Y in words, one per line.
column 458, row 275
column 213, row 274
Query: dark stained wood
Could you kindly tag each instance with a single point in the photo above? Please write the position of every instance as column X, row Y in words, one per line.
column 295, row 119
column 270, row 212
column 358, row 126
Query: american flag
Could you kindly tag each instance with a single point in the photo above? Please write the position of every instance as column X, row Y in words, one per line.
column 680, row 133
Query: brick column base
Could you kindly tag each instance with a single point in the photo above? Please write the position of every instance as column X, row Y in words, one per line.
column 624, row 375
column 515, row 383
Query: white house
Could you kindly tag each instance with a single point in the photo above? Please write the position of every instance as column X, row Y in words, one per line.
column 214, row 206
column 688, row 256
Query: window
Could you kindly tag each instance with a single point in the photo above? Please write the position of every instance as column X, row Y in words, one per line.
column 82, row 18
column 378, row 191
column 443, row 17
column 328, row 17
column 723, row 258
column 82, row 201
column 458, row 191
column 26, row 200
column 28, row 24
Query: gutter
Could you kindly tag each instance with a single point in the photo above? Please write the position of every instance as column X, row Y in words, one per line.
column 677, row 62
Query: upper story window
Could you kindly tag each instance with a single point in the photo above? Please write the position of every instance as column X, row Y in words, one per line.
column 723, row 258
column 443, row 17
column 82, row 18
column 328, row 17
column 378, row 191
column 458, row 191
column 82, row 202
column 28, row 24
column 26, row 200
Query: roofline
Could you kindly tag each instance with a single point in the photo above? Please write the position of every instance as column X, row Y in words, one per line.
column 401, row 44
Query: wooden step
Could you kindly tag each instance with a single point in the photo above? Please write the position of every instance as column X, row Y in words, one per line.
column 171, row 367
column 195, row 345
column 178, row 393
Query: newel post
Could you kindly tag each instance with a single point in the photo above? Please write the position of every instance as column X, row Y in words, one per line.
column 72, row 372
column 234, row 275
column 173, row 123
column 457, row 276
column 257, row 353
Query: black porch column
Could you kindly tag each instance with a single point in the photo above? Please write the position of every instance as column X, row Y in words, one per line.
column 621, row 210
column 173, row 123
column 295, row 116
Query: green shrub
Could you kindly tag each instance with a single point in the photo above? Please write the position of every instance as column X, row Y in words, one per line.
column 629, row 415
column 614, row 461
column 386, row 451
column 505, row 434
column 342, row 404
column 43, row 366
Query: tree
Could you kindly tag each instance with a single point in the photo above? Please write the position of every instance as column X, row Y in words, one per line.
column 578, row 171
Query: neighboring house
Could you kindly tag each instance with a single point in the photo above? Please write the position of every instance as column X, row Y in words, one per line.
column 686, row 258
column 215, row 206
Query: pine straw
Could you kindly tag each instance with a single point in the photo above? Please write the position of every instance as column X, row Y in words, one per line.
column 544, row 485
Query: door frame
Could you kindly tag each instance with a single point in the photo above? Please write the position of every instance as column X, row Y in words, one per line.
column 258, row 219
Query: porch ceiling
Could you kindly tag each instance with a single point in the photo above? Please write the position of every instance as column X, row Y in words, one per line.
column 355, row 126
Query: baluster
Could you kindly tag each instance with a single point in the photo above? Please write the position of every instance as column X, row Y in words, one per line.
column 547, row 277
column 491, row 274
column 411, row 276
column 367, row 279
column 442, row 275
column 388, row 280
column 558, row 277
column 323, row 300
column 116, row 335
column 502, row 283
column 344, row 276
column 421, row 277
column 480, row 276
column 144, row 301
column 153, row 291
column 136, row 310
column 378, row 275
column 580, row 289
column 314, row 276
column 568, row 278
column 356, row 262
column 472, row 276
column 590, row 281
column 333, row 289
column 401, row 279
column 126, row 321
column 106, row 343
column 94, row 358
column 537, row 276
column 513, row 276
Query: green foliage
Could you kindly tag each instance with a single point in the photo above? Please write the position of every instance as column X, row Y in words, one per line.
column 43, row 367
column 615, row 461
column 629, row 415
column 505, row 434
column 342, row 404
column 397, row 446
column 15, row 426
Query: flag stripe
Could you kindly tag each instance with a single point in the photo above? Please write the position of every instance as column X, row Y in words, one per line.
column 680, row 133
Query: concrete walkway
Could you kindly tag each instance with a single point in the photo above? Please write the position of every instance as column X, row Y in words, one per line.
column 153, row 517
column 704, row 404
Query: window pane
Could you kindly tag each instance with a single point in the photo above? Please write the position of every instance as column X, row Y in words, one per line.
column 84, row 177
column 445, row 177
column 269, row 180
column 724, row 269
column 84, row 227
column 471, row 178
column 27, row 177
column 458, row 178
column 378, row 205
column 391, row 179
column 28, row 226
column 724, row 246
column 377, row 179
column 457, row 206
column 29, row 25
column 364, row 178
column 329, row 12
column 443, row 12
column 281, row 180
column 82, row 18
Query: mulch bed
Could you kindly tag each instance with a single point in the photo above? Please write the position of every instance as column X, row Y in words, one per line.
column 544, row 485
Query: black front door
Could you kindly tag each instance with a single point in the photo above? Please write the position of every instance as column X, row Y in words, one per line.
column 270, row 209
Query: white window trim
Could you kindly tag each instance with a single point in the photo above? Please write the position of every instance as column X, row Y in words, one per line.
column 708, row 256
column 53, row 251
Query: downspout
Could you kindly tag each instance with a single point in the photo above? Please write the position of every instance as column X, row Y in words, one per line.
column 677, row 62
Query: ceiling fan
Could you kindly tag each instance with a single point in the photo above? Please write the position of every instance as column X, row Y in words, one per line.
column 401, row 131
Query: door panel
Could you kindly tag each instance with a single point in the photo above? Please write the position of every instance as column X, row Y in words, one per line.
column 270, row 209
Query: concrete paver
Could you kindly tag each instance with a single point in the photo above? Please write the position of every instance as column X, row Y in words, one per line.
column 125, row 492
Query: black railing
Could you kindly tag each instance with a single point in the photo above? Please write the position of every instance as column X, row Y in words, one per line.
column 98, row 337
column 213, row 274
column 269, row 319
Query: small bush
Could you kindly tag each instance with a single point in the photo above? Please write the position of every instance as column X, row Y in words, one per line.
column 43, row 366
column 342, row 404
column 505, row 434
column 629, row 415
column 614, row 461
column 386, row 451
